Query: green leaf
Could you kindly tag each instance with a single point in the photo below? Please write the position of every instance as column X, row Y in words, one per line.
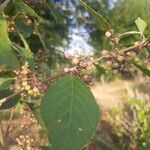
column 7, row 56
column 99, row 19
column 144, row 70
column 22, row 27
column 37, row 114
column 5, row 83
column 4, row 93
column 70, row 113
column 25, row 53
column 25, row 9
column 100, row 69
column 45, row 148
column 10, row 103
column 141, row 24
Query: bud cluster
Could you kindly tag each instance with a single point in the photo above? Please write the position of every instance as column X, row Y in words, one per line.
column 80, row 63
column 28, row 81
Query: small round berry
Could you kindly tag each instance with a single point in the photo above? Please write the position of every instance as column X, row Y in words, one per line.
column 115, row 71
column 115, row 65
column 30, row 92
column 75, row 61
column 109, row 63
column 25, row 83
column 27, row 87
column 120, row 58
column 108, row 34
column 66, row 70
column 35, row 89
column 104, row 52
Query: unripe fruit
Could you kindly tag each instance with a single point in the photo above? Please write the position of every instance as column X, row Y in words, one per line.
column 66, row 70
column 30, row 92
column 35, row 89
column 115, row 65
column 108, row 34
column 25, row 83
column 108, row 63
column 104, row 52
column 120, row 58
column 75, row 61
column 27, row 87
column 115, row 71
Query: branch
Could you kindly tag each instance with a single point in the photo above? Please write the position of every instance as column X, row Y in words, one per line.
column 4, row 4
column 144, row 43
column 135, row 47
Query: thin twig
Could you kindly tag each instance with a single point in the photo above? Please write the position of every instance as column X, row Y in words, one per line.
column 9, row 125
column 135, row 47
column 4, row 4
column 55, row 77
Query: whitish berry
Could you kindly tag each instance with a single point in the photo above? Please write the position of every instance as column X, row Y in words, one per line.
column 108, row 34
column 75, row 61
column 115, row 71
column 66, row 70
column 115, row 65
column 108, row 63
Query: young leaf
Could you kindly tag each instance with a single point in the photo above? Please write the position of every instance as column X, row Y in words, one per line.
column 141, row 24
column 7, row 57
column 144, row 70
column 25, row 53
column 70, row 114
column 99, row 19
column 25, row 9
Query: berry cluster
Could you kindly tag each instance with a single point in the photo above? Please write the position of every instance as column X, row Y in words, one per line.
column 117, row 61
column 80, row 63
column 26, row 143
column 27, row 21
column 27, row 80
column 11, row 25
